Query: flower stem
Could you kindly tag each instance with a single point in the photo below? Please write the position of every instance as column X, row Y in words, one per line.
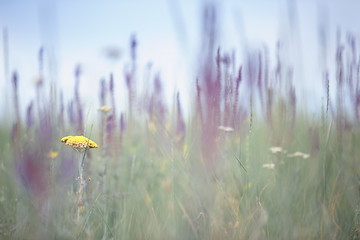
column 81, row 192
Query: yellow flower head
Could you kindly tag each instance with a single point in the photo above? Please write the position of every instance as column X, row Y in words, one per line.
column 79, row 142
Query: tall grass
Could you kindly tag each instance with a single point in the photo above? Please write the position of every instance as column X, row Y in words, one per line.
column 245, row 163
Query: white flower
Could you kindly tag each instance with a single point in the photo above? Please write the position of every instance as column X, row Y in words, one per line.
column 269, row 165
column 226, row 129
column 299, row 154
column 276, row 150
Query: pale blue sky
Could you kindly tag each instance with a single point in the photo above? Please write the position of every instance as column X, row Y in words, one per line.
column 79, row 31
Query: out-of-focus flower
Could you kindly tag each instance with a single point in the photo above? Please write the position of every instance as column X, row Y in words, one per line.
column 226, row 129
column 247, row 186
column 112, row 53
column 299, row 154
column 276, row 150
column 52, row 154
column 110, row 124
column 79, row 142
column 269, row 165
column 29, row 115
column 39, row 80
column 105, row 109
column 32, row 170
column 122, row 123
column 151, row 127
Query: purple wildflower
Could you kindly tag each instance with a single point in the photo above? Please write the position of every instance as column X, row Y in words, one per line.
column 71, row 113
column 102, row 92
column 30, row 115
column 133, row 46
column 122, row 123
column 33, row 172
column 112, row 96
column 79, row 110
column 41, row 60
column 16, row 96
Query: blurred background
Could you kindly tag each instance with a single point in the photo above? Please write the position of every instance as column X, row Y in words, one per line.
column 96, row 36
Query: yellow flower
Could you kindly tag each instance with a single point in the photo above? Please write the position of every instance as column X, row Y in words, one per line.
column 79, row 142
column 52, row 154
column 105, row 109
column 151, row 126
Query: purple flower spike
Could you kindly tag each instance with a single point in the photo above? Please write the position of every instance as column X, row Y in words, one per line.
column 32, row 170
column 133, row 45
column 77, row 80
column 41, row 59
column 111, row 87
column 15, row 81
column 122, row 123
column 62, row 110
column 16, row 96
column 111, row 83
column 71, row 112
column 102, row 92
column 157, row 85
column 110, row 124
column 29, row 115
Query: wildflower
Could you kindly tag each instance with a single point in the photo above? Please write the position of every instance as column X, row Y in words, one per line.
column 79, row 142
column 112, row 53
column 276, row 150
column 247, row 186
column 39, row 80
column 299, row 154
column 105, row 109
column 269, row 165
column 226, row 129
column 29, row 115
column 52, row 154
column 151, row 126
column 122, row 123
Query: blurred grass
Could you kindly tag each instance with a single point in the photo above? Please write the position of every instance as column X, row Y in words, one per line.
column 156, row 190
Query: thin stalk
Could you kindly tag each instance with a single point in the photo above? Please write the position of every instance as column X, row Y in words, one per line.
column 82, row 182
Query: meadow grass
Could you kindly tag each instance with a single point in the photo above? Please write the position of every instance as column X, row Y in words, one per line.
column 155, row 190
